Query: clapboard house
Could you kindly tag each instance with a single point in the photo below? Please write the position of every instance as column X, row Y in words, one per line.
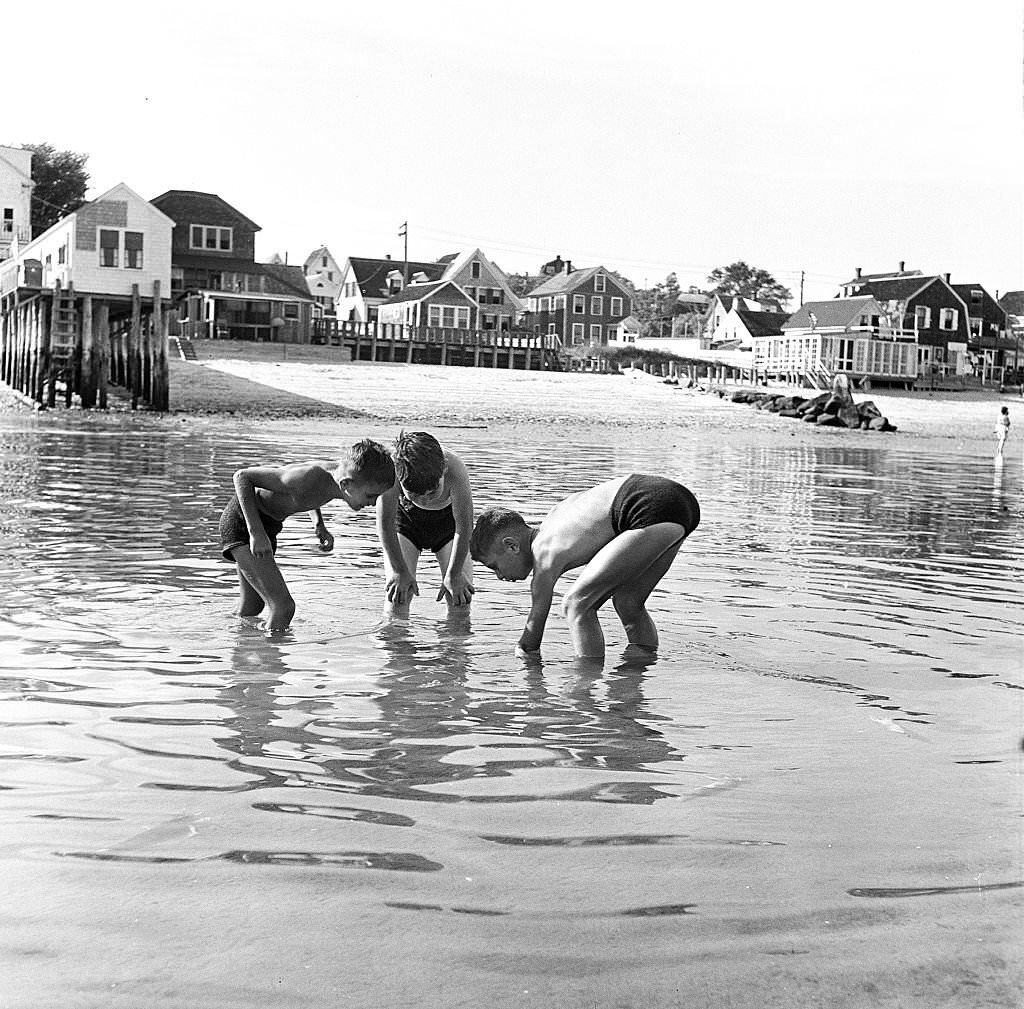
column 579, row 307
column 85, row 304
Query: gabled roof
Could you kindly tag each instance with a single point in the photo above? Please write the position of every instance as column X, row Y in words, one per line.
column 288, row 280
column 899, row 288
column 316, row 255
column 827, row 314
column 187, row 206
column 560, row 283
column 1013, row 302
column 121, row 189
column 763, row 323
column 418, row 292
column 372, row 274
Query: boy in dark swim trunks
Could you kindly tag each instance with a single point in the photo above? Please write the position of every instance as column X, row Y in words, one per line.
column 626, row 532
column 429, row 508
column 266, row 495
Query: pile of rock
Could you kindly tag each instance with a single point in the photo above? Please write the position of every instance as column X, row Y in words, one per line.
column 829, row 409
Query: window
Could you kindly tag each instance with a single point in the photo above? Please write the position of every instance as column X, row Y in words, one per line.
column 599, row 283
column 474, row 270
column 448, row 316
column 977, row 296
column 922, row 317
column 552, row 329
column 204, row 236
column 323, row 261
column 595, row 334
column 616, row 308
column 62, row 253
column 330, row 275
column 597, row 306
column 577, row 332
column 133, row 250
column 110, row 242
column 948, row 318
column 7, row 227
column 558, row 302
column 579, row 304
column 545, row 304
column 291, row 310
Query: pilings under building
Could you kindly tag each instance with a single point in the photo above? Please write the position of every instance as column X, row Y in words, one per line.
column 58, row 344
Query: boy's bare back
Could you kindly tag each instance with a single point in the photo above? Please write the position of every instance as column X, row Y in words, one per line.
column 282, row 491
column 575, row 529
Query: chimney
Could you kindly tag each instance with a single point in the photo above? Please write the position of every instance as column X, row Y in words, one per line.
column 387, row 255
column 568, row 266
column 903, row 263
column 858, row 273
column 945, row 277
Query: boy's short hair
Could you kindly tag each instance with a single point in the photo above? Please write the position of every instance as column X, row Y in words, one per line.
column 419, row 461
column 492, row 524
column 370, row 462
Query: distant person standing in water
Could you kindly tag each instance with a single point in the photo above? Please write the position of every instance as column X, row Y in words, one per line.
column 1002, row 430
column 266, row 495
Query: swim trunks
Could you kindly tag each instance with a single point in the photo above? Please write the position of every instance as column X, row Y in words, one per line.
column 645, row 500
column 424, row 528
column 235, row 533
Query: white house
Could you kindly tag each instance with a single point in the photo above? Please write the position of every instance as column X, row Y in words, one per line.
column 105, row 247
column 324, row 278
column 15, row 199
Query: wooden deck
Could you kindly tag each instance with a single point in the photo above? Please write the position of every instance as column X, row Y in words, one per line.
column 367, row 341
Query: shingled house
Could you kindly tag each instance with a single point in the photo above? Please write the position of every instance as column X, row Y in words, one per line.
column 220, row 290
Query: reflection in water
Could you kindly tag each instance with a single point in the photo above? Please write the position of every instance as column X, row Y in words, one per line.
column 839, row 644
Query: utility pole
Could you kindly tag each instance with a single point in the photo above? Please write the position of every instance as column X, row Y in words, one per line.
column 801, row 287
column 404, row 233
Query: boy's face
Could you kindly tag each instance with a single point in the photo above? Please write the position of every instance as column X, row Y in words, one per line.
column 358, row 494
column 508, row 560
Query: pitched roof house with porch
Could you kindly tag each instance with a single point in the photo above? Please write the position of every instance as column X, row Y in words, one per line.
column 366, row 282
column 488, row 285
column 221, row 290
column 990, row 341
column 437, row 304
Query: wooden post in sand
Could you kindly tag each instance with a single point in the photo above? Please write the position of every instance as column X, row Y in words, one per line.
column 102, row 319
column 87, row 389
column 134, row 336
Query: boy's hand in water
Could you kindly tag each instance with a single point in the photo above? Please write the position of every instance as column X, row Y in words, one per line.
column 400, row 588
column 326, row 539
column 457, row 589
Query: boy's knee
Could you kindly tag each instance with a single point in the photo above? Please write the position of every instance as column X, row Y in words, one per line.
column 574, row 605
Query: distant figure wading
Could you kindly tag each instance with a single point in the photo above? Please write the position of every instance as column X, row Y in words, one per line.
column 1002, row 430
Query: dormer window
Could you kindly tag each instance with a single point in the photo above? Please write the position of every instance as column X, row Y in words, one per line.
column 209, row 238
column 419, row 277
column 394, row 282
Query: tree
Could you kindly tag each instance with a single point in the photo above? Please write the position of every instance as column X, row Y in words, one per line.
column 656, row 307
column 739, row 279
column 60, row 181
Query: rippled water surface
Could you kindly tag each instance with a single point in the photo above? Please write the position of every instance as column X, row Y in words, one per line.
column 823, row 755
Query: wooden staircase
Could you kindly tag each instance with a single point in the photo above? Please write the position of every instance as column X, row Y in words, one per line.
column 63, row 345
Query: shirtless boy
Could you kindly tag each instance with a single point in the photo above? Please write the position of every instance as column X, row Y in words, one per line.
column 626, row 531
column 266, row 495
column 429, row 508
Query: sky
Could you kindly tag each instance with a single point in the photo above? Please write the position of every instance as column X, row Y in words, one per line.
column 803, row 137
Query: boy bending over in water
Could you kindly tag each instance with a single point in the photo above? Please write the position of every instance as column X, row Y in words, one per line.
column 626, row 531
column 266, row 495
column 429, row 508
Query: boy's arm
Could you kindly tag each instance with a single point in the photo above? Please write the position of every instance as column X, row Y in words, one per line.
column 322, row 533
column 454, row 583
column 401, row 585
column 287, row 480
column 542, row 590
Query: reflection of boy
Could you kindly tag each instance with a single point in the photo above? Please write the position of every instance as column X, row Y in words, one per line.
column 429, row 508
column 266, row 495
column 625, row 533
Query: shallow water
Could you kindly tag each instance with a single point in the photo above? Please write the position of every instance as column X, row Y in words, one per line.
column 812, row 782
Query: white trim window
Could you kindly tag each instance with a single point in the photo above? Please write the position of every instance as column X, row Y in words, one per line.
column 448, row 316
column 578, row 332
column 595, row 334
column 109, row 246
column 208, row 237
column 552, row 329
column 133, row 242
column 597, row 306
column 545, row 304
column 616, row 308
column 559, row 302
column 948, row 318
column 474, row 269
column 579, row 304
column 599, row 283
column 922, row 317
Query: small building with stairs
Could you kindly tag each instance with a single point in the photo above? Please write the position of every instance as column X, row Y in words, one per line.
column 86, row 303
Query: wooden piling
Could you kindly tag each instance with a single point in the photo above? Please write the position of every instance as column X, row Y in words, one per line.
column 103, row 362
column 87, row 390
column 134, row 337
